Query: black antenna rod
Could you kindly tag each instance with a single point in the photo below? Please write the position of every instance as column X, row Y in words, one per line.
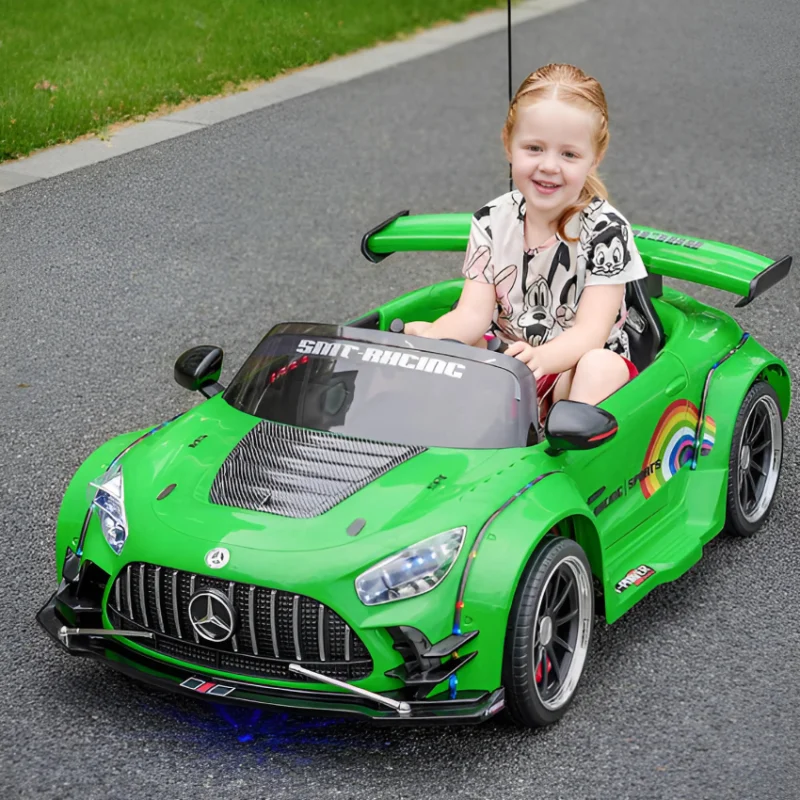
column 510, row 180
column 509, row 54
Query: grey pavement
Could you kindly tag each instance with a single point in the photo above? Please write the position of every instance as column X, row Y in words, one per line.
column 108, row 272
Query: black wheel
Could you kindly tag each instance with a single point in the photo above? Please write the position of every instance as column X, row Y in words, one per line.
column 755, row 460
column 549, row 631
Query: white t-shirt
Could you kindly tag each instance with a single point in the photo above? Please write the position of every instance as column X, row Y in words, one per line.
column 538, row 290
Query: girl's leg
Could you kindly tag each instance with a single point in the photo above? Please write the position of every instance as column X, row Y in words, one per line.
column 596, row 376
column 563, row 385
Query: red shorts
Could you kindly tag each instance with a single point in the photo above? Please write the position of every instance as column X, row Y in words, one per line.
column 545, row 384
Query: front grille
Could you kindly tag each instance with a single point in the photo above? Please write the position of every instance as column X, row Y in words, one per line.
column 274, row 628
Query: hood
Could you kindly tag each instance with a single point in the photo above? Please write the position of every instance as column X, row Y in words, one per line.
column 250, row 483
column 298, row 473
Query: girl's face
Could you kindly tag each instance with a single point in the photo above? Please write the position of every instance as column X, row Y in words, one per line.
column 551, row 153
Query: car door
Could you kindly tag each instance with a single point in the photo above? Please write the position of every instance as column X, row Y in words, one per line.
column 626, row 481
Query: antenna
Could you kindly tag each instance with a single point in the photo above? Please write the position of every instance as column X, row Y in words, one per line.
column 510, row 95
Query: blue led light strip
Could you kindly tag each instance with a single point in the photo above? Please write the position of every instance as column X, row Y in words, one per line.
column 478, row 539
column 701, row 417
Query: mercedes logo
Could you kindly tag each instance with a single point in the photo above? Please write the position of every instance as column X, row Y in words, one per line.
column 211, row 615
column 218, row 557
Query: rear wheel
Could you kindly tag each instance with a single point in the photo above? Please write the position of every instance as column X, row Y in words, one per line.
column 549, row 631
column 755, row 460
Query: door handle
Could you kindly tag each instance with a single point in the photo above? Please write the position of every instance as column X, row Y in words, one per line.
column 675, row 386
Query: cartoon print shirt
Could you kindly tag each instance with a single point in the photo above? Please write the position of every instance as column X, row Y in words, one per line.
column 538, row 290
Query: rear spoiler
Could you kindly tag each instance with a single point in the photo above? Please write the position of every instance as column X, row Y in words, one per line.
column 720, row 266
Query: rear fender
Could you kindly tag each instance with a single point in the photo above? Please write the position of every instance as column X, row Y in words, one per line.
column 501, row 558
column 729, row 384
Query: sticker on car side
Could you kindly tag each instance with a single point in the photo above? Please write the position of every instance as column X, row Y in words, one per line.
column 667, row 238
column 673, row 442
column 636, row 577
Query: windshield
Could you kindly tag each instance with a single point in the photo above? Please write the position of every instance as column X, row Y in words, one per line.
column 379, row 392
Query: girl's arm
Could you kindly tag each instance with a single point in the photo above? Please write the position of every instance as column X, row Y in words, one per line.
column 596, row 315
column 471, row 317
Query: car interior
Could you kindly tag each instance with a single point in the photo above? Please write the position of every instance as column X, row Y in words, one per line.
column 643, row 326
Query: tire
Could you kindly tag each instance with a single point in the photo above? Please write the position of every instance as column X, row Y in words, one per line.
column 558, row 576
column 755, row 460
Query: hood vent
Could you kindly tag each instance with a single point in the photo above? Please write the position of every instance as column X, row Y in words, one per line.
column 300, row 473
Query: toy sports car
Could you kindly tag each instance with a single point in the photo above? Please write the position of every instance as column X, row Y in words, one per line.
column 374, row 524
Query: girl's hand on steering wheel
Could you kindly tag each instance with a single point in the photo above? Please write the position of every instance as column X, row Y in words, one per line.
column 417, row 328
column 527, row 353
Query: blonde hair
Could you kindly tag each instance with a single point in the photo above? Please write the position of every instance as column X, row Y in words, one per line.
column 573, row 86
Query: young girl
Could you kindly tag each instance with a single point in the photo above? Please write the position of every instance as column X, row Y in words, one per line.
column 546, row 264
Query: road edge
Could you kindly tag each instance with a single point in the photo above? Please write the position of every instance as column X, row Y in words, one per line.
column 60, row 159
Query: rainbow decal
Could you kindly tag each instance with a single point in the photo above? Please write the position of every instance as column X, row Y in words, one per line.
column 672, row 444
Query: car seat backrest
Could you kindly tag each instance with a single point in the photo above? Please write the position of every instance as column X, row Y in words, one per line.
column 644, row 329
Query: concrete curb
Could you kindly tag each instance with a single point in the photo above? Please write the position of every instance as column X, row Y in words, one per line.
column 65, row 158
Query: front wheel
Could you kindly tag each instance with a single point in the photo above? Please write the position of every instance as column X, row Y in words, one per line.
column 755, row 460
column 549, row 631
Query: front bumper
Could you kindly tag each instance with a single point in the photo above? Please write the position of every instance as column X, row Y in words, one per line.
column 468, row 707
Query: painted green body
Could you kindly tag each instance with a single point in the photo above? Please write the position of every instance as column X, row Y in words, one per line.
column 619, row 501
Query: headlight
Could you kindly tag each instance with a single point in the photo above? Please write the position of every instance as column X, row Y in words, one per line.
column 412, row 572
column 108, row 503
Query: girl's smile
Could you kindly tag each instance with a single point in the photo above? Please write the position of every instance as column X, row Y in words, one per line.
column 546, row 187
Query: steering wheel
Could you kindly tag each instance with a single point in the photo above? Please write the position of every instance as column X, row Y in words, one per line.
column 496, row 345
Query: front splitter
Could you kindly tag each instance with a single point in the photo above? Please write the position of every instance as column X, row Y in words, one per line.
column 469, row 707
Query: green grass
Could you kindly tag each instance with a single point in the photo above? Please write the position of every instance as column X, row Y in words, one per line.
column 77, row 66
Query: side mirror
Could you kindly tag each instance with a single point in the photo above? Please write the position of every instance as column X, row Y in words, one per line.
column 578, row 426
column 199, row 368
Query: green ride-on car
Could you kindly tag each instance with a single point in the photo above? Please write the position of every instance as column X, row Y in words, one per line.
column 374, row 524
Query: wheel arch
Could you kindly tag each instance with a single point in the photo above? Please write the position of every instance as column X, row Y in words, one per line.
column 739, row 521
column 581, row 529
column 731, row 382
column 777, row 376
column 503, row 555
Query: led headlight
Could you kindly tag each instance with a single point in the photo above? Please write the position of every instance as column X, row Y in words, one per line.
column 413, row 571
column 108, row 503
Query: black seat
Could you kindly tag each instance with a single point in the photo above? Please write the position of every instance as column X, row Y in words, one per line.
column 644, row 329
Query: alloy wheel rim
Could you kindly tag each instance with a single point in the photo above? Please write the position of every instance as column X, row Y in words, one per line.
column 759, row 460
column 561, row 633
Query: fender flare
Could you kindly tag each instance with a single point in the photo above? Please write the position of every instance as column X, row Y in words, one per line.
column 727, row 383
column 498, row 559
column 731, row 382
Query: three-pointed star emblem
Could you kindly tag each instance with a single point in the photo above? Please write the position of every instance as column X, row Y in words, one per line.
column 212, row 615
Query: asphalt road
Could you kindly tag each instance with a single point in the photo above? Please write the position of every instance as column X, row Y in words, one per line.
column 108, row 273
